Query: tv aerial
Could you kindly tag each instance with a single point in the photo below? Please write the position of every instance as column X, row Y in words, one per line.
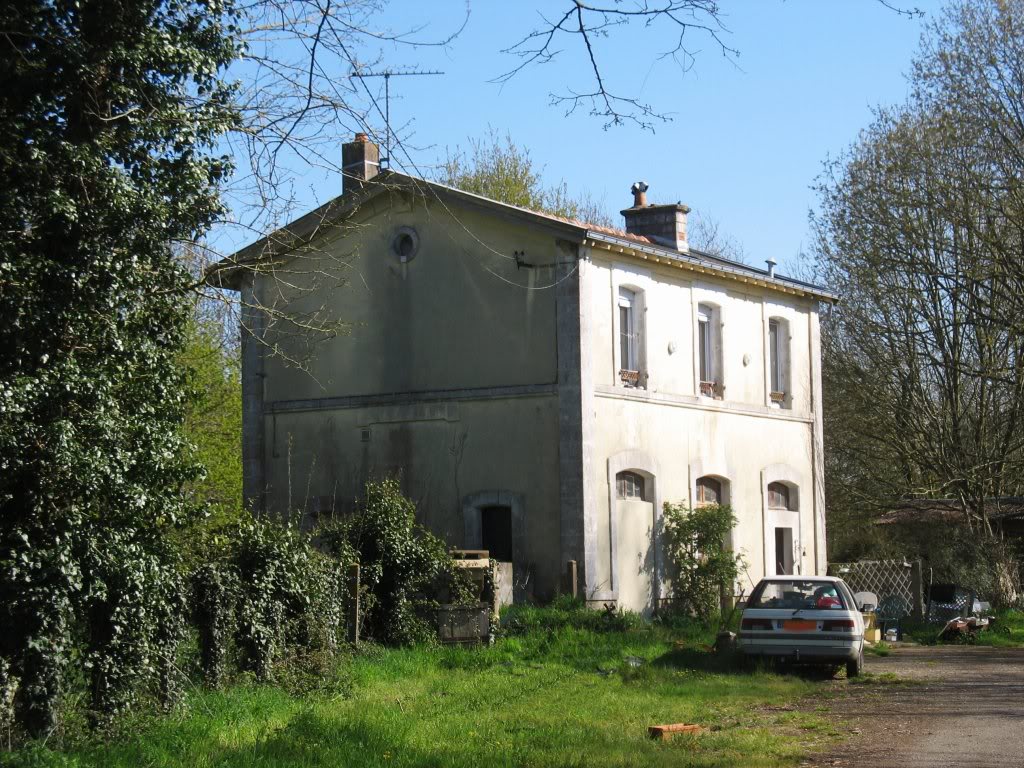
column 387, row 74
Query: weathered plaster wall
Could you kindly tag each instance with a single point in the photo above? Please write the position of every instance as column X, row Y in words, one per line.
column 459, row 314
column 444, row 451
column 669, row 319
column 690, row 443
column 477, row 377
column 447, row 375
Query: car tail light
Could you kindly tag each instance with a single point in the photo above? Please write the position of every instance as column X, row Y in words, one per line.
column 837, row 625
column 756, row 624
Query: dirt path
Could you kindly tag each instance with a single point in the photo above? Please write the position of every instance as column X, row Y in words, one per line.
column 965, row 709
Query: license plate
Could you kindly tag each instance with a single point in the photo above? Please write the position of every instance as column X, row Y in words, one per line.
column 799, row 625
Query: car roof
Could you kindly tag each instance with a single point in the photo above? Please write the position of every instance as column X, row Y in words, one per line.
column 824, row 579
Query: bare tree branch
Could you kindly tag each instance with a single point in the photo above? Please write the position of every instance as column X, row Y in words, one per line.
column 590, row 22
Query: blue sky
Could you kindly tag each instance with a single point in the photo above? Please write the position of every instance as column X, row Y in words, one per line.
column 746, row 140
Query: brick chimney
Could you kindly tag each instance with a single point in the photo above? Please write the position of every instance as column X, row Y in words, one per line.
column 360, row 162
column 664, row 224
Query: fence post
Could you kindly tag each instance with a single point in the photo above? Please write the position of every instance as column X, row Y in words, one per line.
column 352, row 615
column 571, row 580
column 916, row 590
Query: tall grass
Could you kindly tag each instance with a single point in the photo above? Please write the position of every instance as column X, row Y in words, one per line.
column 563, row 687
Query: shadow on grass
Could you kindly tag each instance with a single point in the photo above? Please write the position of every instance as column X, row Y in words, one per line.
column 311, row 739
column 734, row 663
column 700, row 660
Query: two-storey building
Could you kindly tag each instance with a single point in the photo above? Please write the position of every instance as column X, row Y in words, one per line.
column 542, row 386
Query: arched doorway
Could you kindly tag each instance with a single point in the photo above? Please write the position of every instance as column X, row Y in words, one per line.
column 634, row 507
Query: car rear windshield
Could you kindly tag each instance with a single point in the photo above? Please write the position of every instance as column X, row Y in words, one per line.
column 797, row 594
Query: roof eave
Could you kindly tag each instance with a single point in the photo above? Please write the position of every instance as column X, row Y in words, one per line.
column 678, row 259
column 303, row 230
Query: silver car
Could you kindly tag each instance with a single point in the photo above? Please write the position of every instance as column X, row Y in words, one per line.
column 804, row 620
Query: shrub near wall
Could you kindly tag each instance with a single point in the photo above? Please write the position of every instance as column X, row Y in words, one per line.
column 404, row 569
column 701, row 562
column 269, row 591
column 262, row 592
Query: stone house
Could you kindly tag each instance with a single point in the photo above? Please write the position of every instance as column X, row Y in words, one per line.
column 542, row 386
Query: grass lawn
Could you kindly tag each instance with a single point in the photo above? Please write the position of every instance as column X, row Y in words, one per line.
column 559, row 693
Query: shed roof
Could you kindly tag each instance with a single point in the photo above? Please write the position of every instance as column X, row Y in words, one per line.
column 948, row 510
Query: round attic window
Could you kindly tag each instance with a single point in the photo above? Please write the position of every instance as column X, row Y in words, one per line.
column 405, row 244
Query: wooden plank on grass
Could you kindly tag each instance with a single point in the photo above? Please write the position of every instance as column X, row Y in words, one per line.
column 662, row 732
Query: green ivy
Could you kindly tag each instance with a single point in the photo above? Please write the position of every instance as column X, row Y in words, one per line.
column 404, row 569
column 214, row 589
column 110, row 155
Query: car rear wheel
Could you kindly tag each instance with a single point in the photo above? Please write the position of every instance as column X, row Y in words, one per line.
column 855, row 666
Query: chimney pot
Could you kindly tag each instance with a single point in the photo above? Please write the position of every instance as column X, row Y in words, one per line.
column 360, row 162
column 771, row 266
column 639, row 190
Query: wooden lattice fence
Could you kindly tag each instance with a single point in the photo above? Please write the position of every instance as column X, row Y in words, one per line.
column 896, row 583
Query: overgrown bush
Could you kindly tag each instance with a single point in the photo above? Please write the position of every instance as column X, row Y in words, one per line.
column 133, row 621
column 258, row 596
column 404, row 569
column 214, row 589
column 288, row 594
column 702, row 565
column 264, row 594
column 267, row 590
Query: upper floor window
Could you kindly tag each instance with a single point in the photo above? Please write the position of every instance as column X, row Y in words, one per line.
column 778, row 362
column 709, row 351
column 709, row 491
column 779, row 496
column 629, row 485
column 630, row 336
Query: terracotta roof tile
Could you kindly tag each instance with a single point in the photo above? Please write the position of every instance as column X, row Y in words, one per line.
column 613, row 231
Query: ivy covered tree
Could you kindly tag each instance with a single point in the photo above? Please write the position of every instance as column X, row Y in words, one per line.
column 111, row 111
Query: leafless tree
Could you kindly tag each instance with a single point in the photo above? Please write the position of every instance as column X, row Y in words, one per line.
column 591, row 24
column 706, row 234
column 924, row 384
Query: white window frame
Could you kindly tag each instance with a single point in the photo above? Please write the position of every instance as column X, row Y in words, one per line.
column 708, row 350
column 704, row 345
column 778, row 359
column 629, row 337
column 630, row 342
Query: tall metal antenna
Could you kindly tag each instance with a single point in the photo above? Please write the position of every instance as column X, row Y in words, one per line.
column 387, row 75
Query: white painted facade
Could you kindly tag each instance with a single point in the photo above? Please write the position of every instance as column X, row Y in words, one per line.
column 674, row 435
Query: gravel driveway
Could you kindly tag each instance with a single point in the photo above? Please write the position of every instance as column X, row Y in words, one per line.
column 965, row 707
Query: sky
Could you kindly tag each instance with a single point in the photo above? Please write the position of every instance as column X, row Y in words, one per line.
column 747, row 137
